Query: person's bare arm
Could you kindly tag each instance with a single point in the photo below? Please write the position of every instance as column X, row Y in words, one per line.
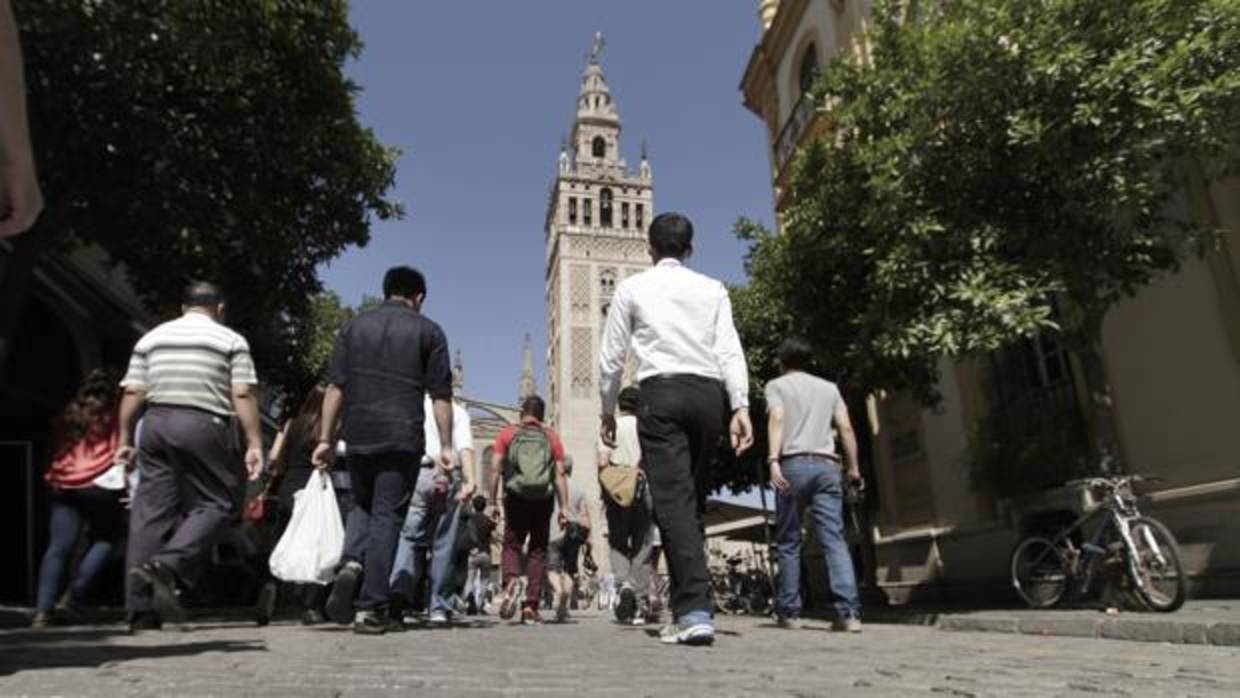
column 443, row 422
column 131, row 403
column 469, row 484
column 775, row 441
column 497, row 494
column 849, row 440
column 561, row 491
column 277, row 446
column 245, row 402
column 333, row 400
column 21, row 201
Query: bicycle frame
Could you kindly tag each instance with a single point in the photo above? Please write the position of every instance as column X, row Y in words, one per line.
column 1118, row 513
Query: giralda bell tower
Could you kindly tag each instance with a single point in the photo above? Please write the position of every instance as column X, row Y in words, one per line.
column 596, row 235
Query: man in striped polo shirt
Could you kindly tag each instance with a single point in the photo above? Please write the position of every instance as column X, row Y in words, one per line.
column 195, row 375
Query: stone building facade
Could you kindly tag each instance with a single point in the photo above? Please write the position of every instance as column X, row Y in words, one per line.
column 595, row 237
column 1171, row 352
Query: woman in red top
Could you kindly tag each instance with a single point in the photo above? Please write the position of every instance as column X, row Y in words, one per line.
column 87, row 486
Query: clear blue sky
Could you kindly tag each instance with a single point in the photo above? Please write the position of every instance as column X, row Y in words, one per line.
column 478, row 94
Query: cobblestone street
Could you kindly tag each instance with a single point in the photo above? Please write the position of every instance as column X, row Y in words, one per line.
column 592, row 656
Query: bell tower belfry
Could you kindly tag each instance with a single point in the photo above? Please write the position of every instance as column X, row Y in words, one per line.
column 595, row 236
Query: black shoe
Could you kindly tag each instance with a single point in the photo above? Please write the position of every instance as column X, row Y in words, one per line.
column 344, row 587
column 371, row 623
column 266, row 607
column 627, row 607
column 68, row 612
column 313, row 617
column 144, row 620
column 163, row 590
column 395, row 615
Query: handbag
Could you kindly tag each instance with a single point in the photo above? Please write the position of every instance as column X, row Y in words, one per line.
column 620, row 484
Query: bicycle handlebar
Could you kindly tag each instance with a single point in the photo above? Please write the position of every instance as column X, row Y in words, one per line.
column 1112, row 482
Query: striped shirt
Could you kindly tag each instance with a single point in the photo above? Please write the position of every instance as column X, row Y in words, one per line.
column 192, row 361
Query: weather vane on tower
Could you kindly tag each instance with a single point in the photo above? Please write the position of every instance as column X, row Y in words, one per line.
column 596, row 48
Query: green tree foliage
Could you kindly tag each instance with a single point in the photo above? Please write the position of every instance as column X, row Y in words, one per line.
column 997, row 169
column 327, row 316
column 211, row 139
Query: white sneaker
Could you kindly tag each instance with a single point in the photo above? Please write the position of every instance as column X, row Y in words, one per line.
column 439, row 617
column 846, row 624
column 700, row 634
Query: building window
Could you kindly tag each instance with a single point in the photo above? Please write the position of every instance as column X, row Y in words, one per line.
column 572, row 210
column 809, row 68
column 639, row 217
column 604, row 208
column 599, row 147
column 624, row 215
column 606, row 285
column 587, row 211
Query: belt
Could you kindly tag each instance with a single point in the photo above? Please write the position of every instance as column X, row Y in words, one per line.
column 692, row 377
column 832, row 458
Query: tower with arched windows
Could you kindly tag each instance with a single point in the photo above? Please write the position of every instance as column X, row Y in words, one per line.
column 595, row 236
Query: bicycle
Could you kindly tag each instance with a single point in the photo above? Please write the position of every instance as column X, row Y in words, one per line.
column 1135, row 548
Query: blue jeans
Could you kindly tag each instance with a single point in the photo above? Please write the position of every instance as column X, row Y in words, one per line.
column 431, row 523
column 816, row 485
column 70, row 508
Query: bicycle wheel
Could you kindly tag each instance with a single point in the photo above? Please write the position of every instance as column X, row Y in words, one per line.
column 1039, row 572
column 1159, row 578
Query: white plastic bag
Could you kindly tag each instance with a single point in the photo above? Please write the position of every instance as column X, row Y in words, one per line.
column 313, row 542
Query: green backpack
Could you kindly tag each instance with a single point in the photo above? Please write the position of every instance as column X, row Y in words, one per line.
column 529, row 471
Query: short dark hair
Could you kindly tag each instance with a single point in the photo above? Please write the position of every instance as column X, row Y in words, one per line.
column 201, row 294
column 794, row 354
column 533, row 406
column 480, row 502
column 671, row 235
column 403, row 281
column 629, row 398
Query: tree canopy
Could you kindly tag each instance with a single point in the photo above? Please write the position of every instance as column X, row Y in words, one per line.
column 994, row 170
column 207, row 139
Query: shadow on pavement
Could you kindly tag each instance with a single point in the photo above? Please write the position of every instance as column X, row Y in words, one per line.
column 33, row 650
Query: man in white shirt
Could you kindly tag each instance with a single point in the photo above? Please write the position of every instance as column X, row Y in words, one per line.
column 432, row 520
column 691, row 371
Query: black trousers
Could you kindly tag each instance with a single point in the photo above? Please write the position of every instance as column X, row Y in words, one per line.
column 382, row 484
column 190, row 486
column 679, row 424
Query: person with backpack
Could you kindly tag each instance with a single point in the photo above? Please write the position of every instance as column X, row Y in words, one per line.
column 528, row 458
column 626, row 500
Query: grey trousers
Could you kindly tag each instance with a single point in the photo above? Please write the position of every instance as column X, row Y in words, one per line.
column 630, row 539
column 191, row 482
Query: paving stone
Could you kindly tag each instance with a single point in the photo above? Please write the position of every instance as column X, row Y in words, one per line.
column 597, row 657
column 1225, row 634
column 979, row 624
column 1059, row 627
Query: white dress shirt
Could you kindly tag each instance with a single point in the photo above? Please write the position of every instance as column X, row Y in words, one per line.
column 462, row 432
column 679, row 322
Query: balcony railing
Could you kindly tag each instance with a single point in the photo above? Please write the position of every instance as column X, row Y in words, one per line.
column 793, row 130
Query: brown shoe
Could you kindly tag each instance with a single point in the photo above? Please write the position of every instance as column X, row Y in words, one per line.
column 508, row 607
